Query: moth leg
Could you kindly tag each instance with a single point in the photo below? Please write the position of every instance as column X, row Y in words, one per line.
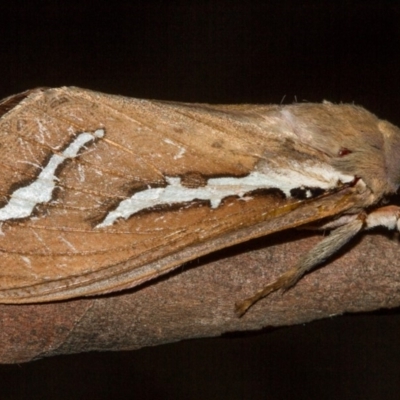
column 388, row 216
column 323, row 250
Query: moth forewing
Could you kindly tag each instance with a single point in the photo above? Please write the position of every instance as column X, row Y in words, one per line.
column 101, row 193
column 162, row 258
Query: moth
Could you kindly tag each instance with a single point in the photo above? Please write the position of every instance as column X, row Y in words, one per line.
column 99, row 193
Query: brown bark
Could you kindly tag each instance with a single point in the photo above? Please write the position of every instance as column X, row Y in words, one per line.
column 198, row 299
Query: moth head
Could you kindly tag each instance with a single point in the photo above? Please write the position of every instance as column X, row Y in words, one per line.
column 352, row 140
column 370, row 150
column 391, row 135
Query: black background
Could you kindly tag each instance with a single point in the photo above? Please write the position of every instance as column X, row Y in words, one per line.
column 226, row 52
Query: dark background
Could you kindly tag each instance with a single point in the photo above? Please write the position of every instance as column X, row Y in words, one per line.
column 226, row 52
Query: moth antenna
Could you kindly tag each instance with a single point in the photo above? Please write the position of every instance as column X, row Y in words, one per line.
column 317, row 255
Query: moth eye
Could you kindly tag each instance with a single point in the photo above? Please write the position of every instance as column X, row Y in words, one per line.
column 344, row 152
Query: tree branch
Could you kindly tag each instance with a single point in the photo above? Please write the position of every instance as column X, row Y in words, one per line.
column 198, row 299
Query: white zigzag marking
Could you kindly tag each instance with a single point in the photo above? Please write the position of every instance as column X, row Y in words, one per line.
column 25, row 199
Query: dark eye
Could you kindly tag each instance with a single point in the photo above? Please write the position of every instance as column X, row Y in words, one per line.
column 344, row 152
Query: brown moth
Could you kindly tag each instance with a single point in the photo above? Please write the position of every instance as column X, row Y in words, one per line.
column 100, row 193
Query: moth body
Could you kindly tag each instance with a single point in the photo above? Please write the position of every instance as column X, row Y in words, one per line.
column 100, row 193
